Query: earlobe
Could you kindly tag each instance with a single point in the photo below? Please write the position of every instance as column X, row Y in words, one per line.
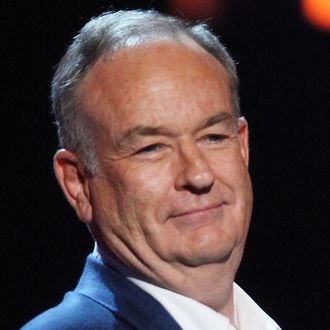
column 74, row 183
column 243, row 132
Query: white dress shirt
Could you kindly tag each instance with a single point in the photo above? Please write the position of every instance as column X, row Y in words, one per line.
column 192, row 315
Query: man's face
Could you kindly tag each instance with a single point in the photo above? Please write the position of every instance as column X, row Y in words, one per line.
column 173, row 184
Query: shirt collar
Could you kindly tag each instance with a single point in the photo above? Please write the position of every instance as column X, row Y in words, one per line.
column 188, row 313
column 192, row 315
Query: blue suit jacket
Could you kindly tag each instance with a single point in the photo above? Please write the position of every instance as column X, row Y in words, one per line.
column 104, row 299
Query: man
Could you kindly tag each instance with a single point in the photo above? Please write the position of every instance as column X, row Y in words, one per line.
column 155, row 162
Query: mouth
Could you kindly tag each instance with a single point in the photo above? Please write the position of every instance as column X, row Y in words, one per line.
column 197, row 211
column 198, row 217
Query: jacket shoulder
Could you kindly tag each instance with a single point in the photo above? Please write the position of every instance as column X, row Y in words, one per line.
column 77, row 311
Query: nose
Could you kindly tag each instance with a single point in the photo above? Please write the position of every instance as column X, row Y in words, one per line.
column 195, row 173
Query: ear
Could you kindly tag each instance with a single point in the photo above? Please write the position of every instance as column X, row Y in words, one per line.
column 243, row 132
column 74, row 183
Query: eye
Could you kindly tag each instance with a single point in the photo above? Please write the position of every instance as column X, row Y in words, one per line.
column 214, row 138
column 149, row 149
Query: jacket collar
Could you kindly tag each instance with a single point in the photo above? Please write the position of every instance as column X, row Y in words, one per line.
column 122, row 297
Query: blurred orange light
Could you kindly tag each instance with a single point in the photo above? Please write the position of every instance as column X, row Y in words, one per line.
column 317, row 12
column 195, row 9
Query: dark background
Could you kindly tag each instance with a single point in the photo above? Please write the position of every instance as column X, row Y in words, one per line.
column 285, row 89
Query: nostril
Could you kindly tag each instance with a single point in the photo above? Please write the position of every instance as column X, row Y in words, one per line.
column 198, row 191
column 198, row 180
column 195, row 172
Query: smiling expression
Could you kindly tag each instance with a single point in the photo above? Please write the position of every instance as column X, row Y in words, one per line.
column 172, row 184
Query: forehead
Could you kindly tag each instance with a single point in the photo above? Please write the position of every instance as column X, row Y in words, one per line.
column 157, row 75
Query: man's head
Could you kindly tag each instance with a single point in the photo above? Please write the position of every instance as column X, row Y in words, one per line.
column 170, row 189
column 104, row 35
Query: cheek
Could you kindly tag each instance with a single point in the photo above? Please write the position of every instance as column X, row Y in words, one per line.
column 229, row 167
column 231, row 172
column 148, row 187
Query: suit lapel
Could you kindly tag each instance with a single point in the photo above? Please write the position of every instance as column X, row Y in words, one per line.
column 123, row 298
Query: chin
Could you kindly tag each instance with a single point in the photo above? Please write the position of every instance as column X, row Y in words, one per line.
column 207, row 252
column 200, row 260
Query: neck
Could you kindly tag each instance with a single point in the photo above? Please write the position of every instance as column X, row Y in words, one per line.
column 210, row 284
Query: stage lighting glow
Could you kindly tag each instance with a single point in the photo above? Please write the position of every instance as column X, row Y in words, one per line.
column 195, row 9
column 317, row 12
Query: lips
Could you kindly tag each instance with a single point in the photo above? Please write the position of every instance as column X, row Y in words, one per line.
column 197, row 210
column 199, row 217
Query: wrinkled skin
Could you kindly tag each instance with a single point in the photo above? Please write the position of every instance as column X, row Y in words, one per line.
column 172, row 196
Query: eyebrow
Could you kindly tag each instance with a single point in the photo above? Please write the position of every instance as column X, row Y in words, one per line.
column 215, row 119
column 143, row 130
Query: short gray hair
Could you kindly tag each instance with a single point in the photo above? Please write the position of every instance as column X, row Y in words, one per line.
column 103, row 35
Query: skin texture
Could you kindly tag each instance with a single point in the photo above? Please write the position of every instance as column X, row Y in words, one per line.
column 172, row 197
